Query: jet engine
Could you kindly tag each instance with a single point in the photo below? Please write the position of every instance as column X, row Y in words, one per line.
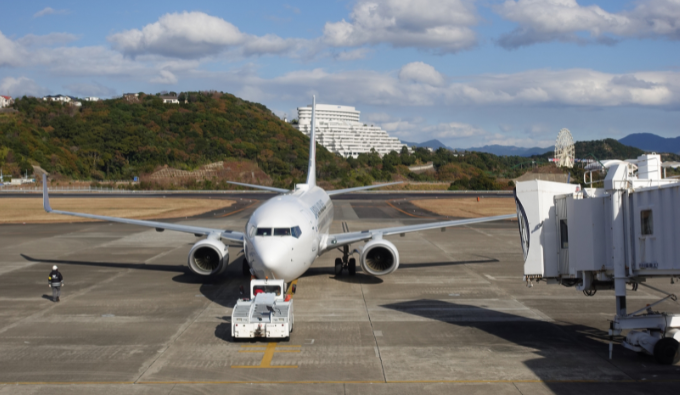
column 208, row 257
column 379, row 257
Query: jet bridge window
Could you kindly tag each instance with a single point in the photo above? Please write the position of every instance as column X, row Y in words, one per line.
column 564, row 234
column 646, row 222
column 263, row 232
column 281, row 231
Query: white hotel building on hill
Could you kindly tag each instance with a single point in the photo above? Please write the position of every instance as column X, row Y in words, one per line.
column 339, row 130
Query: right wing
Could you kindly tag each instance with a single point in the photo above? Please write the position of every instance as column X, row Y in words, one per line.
column 265, row 188
column 197, row 230
column 346, row 190
column 341, row 239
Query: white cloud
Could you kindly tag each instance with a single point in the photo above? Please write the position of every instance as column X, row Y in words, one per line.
column 439, row 25
column 47, row 39
column 165, row 77
column 574, row 87
column 49, row 11
column 195, row 35
column 11, row 54
column 21, row 86
column 422, row 73
column 90, row 89
column 353, row 54
column 563, row 20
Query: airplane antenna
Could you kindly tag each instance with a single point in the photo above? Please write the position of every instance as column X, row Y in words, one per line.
column 311, row 171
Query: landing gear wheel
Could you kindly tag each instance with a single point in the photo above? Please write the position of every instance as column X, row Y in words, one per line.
column 667, row 351
column 352, row 266
column 245, row 268
column 338, row 266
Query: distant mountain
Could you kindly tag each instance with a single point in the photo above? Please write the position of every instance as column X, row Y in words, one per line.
column 511, row 150
column 500, row 150
column 434, row 144
column 652, row 142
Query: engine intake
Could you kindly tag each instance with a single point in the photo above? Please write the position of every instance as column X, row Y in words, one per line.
column 208, row 257
column 379, row 257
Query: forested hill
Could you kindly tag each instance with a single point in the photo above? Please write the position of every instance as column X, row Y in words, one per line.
column 120, row 139
column 601, row 149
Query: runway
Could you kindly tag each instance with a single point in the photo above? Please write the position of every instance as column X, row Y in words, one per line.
column 455, row 316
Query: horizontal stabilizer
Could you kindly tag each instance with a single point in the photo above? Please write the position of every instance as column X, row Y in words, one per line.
column 265, row 188
column 341, row 191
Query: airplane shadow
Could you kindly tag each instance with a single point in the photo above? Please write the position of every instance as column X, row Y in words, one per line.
column 565, row 353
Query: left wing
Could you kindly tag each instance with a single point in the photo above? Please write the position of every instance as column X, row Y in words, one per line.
column 197, row 230
column 340, row 239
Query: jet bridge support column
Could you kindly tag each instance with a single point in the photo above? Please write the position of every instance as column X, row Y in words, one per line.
column 617, row 254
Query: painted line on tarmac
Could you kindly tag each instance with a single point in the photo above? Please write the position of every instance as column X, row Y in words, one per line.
column 409, row 214
column 239, row 210
column 340, row 382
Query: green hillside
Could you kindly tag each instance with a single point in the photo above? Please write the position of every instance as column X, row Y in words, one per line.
column 119, row 139
column 116, row 139
column 601, row 149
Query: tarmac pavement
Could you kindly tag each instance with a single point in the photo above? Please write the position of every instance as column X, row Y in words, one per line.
column 455, row 316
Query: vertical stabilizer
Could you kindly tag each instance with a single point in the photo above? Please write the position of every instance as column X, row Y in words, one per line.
column 311, row 171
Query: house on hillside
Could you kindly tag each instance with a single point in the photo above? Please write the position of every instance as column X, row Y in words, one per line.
column 91, row 98
column 131, row 97
column 170, row 99
column 6, row 101
column 59, row 98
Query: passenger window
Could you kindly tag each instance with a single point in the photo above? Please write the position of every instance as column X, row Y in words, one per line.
column 646, row 222
column 281, row 231
column 264, row 232
column 564, row 234
column 296, row 232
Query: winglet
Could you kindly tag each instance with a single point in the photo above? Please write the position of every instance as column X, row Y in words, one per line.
column 311, row 170
column 46, row 197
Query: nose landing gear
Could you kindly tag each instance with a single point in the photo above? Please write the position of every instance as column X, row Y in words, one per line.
column 345, row 263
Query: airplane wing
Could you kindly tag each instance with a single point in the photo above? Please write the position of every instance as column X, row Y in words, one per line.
column 341, row 239
column 197, row 230
column 265, row 188
column 346, row 190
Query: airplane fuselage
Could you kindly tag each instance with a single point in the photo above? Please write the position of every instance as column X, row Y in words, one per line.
column 283, row 236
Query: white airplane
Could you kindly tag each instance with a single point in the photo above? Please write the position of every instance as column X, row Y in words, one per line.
column 287, row 233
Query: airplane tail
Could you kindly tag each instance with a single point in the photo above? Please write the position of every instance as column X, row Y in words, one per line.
column 311, row 171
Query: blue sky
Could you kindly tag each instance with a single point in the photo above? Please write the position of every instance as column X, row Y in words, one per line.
column 468, row 73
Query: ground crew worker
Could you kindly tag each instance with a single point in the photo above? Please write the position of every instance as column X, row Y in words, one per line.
column 55, row 280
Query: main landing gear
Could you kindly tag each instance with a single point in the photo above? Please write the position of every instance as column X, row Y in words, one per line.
column 345, row 263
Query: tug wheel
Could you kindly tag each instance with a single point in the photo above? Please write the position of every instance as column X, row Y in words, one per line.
column 352, row 266
column 245, row 268
column 338, row 266
column 667, row 351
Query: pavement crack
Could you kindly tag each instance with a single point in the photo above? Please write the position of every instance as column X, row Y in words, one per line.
column 375, row 339
column 176, row 336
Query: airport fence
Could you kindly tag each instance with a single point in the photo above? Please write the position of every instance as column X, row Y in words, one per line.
column 100, row 190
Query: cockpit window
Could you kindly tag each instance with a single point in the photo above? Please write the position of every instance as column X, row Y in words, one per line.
column 281, row 231
column 295, row 231
column 263, row 232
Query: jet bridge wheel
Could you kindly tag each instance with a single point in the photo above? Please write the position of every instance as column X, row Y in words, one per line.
column 352, row 266
column 338, row 266
column 667, row 351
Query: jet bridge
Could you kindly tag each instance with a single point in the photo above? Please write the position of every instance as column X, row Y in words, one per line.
column 607, row 238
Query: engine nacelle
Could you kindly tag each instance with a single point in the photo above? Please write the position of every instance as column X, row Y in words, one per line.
column 208, row 257
column 379, row 257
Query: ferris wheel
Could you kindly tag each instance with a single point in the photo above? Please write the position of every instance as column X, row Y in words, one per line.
column 564, row 149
